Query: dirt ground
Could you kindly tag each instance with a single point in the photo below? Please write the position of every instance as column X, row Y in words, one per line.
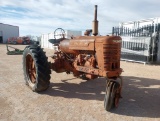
column 72, row 99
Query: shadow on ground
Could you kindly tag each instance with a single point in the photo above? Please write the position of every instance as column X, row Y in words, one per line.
column 141, row 96
column 86, row 90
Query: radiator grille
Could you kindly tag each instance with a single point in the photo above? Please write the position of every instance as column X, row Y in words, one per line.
column 111, row 56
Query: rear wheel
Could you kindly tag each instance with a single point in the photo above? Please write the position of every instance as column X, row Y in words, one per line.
column 36, row 68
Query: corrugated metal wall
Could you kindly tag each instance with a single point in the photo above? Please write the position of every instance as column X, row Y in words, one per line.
column 45, row 37
column 70, row 33
column 8, row 31
column 44, row 40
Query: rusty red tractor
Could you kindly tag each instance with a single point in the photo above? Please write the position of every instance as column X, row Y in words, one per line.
column 84, row 56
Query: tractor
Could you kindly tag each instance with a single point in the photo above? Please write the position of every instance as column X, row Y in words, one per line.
column 83, row 56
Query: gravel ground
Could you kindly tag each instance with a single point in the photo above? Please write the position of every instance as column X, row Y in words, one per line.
column 72, row 99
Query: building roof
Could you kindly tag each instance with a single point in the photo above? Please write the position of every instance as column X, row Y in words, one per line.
column 9, row 25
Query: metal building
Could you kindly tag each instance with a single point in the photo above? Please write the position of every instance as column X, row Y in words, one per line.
column 45, row 37
column 140, row 23
column 7, row 31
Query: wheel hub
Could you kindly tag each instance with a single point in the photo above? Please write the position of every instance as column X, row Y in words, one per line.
column 30, row 68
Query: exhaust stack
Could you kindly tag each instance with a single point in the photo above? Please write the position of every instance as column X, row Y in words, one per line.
column 95, row 23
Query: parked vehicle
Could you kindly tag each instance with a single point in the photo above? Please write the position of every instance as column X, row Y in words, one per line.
column 19, row 40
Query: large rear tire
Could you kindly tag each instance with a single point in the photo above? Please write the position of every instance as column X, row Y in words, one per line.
column 36, row 68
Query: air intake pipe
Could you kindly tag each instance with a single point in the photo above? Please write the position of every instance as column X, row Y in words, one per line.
column 95, row 23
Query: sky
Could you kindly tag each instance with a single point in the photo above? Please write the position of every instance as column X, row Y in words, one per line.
column 36, row 17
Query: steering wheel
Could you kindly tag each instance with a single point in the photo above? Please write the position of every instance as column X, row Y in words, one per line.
column 59, row 33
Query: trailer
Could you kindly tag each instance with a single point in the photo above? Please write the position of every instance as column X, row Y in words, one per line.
column 140, row 40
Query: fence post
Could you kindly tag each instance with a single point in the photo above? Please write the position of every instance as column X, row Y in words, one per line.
column 112, row 30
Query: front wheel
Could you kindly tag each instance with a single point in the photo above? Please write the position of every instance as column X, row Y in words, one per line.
column 111, row 99
column 36, row 68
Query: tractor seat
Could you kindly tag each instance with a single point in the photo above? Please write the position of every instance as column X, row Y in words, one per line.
column 56, row 41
